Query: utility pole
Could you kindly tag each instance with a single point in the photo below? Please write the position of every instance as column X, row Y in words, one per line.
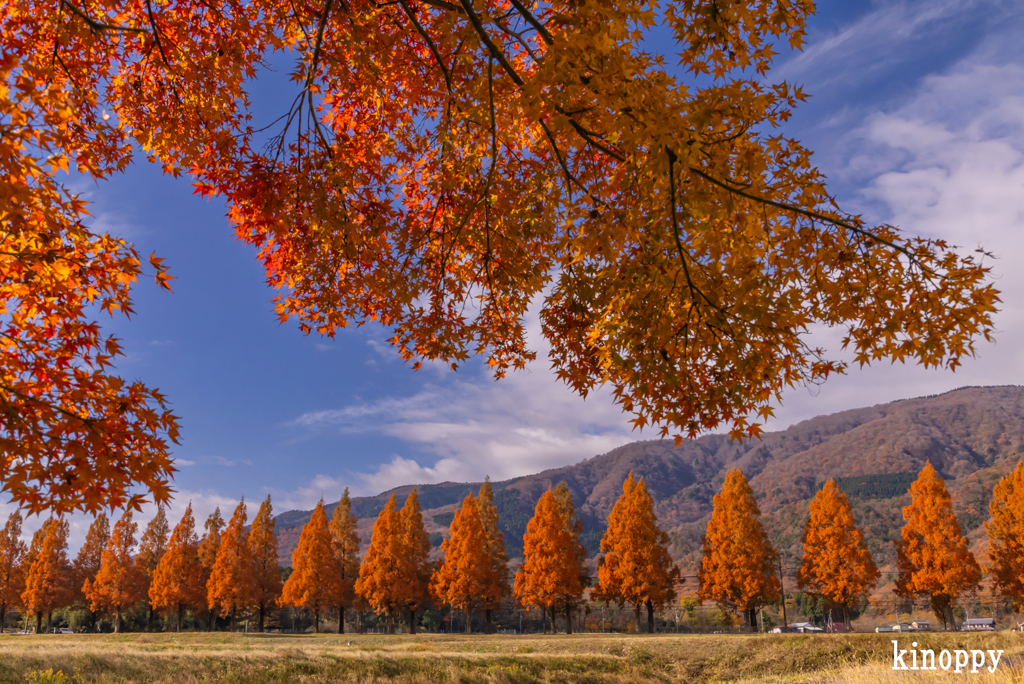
column 785, row 621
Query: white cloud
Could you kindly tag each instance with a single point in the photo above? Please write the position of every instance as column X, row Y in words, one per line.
column 230, row 463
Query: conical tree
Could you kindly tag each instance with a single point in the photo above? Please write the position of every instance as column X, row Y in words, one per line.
column 636, row 567
column 230, row 584
column 495, row 556
column 46, row 583
column 265, row 577
column 87, row 563
column 1006, row 537
column 118, row 585
column 739, row 567
column 177, row 581
column 415, row 559
column 346, row 556
column 382, row 568
column 12, row 565
column 464, row 577
column 552, row 572
column 932, row 556
column 208, row 547
column 312, row 582
column 152, row 547
column 837, row 564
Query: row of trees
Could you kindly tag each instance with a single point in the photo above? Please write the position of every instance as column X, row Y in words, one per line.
column 235, row 568
column 740, row 569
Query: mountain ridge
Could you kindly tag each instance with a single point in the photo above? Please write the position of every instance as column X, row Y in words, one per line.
column 972, row 435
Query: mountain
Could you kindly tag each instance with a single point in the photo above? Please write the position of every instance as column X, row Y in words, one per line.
column 972, row 436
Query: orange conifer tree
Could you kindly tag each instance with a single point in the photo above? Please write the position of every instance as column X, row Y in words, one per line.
column 1006, row 536
column 495, row 556
column 552, row 570
column 230, row 584
column 118, row 585
column 12, row 565
column 312, row 582
column 738, row 570
column 414, row 588
column 152, row 547
column 932, row 556
column 462, row 579
column 266, row 578
column 208, row 546
column 346, row 555
column 177, row 581
column 381, row 569
column 636, row 567
column 46, row 583
column 837, row 564
column 87, row 562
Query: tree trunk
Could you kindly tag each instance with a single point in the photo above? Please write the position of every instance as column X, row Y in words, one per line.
column 568, row 619
column 650, row 617
column 362, row 622
column 95, row 615
column 263, row 615
column 117, row 621
column 412, row 621
column 39, row 622
column 636, row 611
column 3, row 616
column 234, row 622
column 554, row 630
column 316, row 621
column 149, row 618
column 212, row 622
column 949, row 616
column 487, row 621
column 341, row 618
column 181, row 617
column 49, row 620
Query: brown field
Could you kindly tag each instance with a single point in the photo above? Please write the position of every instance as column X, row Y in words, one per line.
column 403, row 659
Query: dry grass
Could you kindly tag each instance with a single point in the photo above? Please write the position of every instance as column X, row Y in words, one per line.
column 422, row 659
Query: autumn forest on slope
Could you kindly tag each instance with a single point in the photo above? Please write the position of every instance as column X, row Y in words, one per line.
column 972, row 436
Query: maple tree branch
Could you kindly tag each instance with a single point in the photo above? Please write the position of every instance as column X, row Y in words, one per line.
column 156, row 31
column 319, row 44
column 534, row 22
column 97, row 26
column 492, row 48
column 430, row 44
column 570, row 179
column 819, row 217
column 519, row 39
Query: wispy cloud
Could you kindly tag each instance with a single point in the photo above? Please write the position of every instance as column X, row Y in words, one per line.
column 230, row 463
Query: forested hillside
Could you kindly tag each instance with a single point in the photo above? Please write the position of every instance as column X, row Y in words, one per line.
column 972, row 436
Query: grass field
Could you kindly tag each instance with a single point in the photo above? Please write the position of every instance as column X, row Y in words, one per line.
column 403, row 659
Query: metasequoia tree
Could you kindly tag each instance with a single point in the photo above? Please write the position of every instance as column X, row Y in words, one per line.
column 152, row 547
column 118, row 584
column 382, row 567
column 46, row 582
column 495, row 556
column 739, row 570
column 230, row 583
column 88, row 561
column 636, row 567
column 414, row 588
column 464, row 577
column 177, row 581
column 552, row 574
column 208, row 546
column 1005, row 530
column 311, row 584
column 539, row 153
column 837, row 564
column 12, row 565
column 345, row 542
column 265, row 578
column 932, row 556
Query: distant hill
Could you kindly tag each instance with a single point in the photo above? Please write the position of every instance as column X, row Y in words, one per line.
column 972, row 436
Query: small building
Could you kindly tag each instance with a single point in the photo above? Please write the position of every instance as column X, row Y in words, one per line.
column 921, row 626
column 803, row 628
column 903, row 627
column 979, row 625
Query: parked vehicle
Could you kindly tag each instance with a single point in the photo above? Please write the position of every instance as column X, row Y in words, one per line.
column 884, row 628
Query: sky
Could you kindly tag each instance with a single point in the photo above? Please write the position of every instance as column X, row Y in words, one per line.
column 916, row 117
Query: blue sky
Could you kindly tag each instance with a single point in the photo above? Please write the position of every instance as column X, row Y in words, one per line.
column 916, row 116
